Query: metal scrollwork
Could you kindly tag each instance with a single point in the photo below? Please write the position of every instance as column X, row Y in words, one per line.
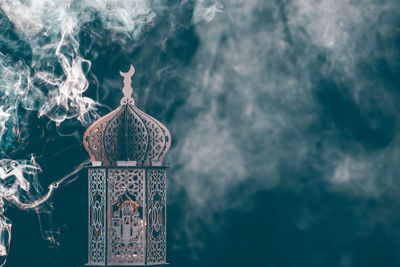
column 156, row 242
column 127, row 185
column 94, row 140
column 127, row 209
column 113, row 136
column 138, row 136
column 127, row 133
column 97, row 189
column 157, row 138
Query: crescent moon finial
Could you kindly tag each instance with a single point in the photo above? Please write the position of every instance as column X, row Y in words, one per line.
column 127, row 90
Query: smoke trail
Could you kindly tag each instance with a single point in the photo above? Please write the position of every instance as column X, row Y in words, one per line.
column 49, row 79
column 19, row 88
column 263, row 90
column 14, row 176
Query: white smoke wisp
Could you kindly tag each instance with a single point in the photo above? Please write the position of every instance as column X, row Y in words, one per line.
column 51, row 29
column 52, row 83
column 206, row 10
column 254, row 77
column 13, row 175
column 19, row 185
column 64, row 101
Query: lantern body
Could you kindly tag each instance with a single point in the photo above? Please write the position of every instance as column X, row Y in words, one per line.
column 127, row 186
column 127, row 215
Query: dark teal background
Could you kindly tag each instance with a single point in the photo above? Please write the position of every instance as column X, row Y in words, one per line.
column 284, row 128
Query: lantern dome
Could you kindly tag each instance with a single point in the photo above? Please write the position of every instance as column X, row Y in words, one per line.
column 127, row 135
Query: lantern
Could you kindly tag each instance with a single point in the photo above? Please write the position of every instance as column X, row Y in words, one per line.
column 127, row 185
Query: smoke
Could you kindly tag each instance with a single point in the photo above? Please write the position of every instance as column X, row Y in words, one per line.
column 258, row 95
column 44, row 73
column 284, row 94
column 205, row 10
column 47, row 79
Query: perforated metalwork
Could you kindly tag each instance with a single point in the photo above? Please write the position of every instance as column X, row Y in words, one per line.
column 93, row 139
column 137, row 144
column 157, row 138
column 127, row 134
column 114, row 136
column 167, row 143
column 156, row 238
column 97, row 220
column 127, row 196
column 126, row 208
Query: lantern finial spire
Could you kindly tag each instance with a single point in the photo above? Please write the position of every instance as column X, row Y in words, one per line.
column 127, row 90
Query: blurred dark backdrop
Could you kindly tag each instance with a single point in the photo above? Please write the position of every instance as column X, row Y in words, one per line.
column 283, row 116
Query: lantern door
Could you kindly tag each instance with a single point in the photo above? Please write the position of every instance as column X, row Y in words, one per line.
column 127, row 216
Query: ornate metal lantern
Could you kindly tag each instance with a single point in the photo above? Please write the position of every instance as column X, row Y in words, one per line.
column 127, row 185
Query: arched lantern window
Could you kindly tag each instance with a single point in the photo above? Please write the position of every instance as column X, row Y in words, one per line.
column 127, row 185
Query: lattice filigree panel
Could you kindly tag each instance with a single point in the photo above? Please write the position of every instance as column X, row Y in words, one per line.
column 114, row 135
column 126, row 208
column 127, row 133
column 138, row 142
column 156, row 137
column 156, row 243
column 94, row 138
column 97, row 220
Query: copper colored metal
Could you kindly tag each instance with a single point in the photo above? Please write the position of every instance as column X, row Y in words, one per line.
column 127, row 185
